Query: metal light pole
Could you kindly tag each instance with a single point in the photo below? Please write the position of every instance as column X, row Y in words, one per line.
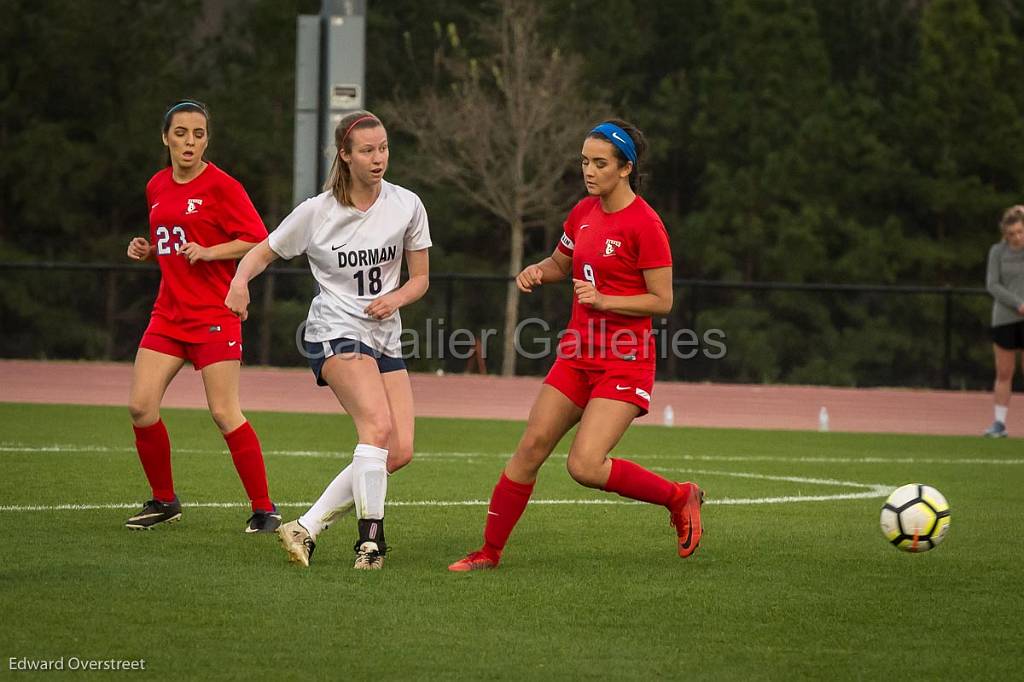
column 330, row 76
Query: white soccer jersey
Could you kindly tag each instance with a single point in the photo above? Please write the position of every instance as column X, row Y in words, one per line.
column 356, row 257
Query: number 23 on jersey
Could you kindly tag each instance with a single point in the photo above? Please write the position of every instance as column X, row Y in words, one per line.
column 169, row 240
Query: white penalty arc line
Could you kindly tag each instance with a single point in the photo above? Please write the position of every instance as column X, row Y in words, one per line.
column 338, row 454
column 774, row 477
column 868, row 490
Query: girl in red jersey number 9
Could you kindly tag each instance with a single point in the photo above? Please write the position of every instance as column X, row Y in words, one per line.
column 616, row 249
column 201, row 221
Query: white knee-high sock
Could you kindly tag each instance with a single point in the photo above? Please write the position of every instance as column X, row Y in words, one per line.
column 370, row 481
column 335, row 502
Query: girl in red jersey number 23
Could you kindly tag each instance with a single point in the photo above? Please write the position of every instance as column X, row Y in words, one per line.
column 617, row 251
column 201, row 221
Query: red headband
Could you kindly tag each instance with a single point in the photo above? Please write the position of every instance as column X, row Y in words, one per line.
column 368, row 117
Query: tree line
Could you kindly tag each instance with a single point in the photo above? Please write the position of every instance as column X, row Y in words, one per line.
column 791, row 140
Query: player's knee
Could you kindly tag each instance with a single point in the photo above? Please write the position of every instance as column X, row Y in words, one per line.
column 376, row 430
column 226, row 419
column 533, row 447
column 143, row 413
column 584, row 472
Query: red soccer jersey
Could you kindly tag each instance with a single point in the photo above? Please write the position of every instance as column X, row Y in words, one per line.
column 210, row 209
column 612, row 250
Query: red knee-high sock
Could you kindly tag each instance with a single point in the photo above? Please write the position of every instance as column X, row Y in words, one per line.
column 247, row 455
column 154, row 448
column 631, row 480
column 507, row 504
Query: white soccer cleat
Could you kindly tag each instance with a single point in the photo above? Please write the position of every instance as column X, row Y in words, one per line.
column 297, row 541
column 369, row 557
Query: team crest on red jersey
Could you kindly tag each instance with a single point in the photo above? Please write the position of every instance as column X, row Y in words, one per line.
column 610, row 245
column 193, row 205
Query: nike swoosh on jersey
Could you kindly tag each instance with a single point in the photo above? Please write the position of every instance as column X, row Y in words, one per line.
column 335, row 248
column 622, row 388
column 490, row 513
column 584, row 225
column 154, row 206
column 232, row 343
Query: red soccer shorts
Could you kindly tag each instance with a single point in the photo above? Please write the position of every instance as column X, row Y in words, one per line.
column 583, row 380
column 199, row 354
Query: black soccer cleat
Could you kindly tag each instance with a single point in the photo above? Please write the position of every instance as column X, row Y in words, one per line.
column 155, row 512
column 263, row 521
column 370, row 548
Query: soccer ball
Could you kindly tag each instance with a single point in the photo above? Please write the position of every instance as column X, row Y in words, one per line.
column 915, row 518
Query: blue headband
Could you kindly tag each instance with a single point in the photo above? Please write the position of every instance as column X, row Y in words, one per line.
column 618, row 137
column 181, row 105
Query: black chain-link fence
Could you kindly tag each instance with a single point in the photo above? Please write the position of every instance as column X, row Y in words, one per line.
column 763, row 332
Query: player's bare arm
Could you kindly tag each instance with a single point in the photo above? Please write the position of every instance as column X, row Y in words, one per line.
column 227, row 251
column 140, row 249
column 657, row 300
column 413, row 290
column 554, row 268
column 254, row 262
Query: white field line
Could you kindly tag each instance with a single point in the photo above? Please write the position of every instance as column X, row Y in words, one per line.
column 240, row 505
column 68, row 448
column 869, row 490
column 441, row 503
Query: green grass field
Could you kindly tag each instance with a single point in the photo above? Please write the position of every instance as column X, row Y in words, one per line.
column 795, row 589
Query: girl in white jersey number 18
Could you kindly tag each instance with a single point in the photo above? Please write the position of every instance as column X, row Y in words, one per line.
column 354, row 235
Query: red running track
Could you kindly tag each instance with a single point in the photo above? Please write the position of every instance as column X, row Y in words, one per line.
column 489, row 397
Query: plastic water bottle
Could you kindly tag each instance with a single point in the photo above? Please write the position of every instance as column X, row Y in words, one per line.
column 823, row 419
column 668, row 417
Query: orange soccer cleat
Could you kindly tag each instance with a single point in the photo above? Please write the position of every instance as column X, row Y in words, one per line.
column 685, row 516
column 474, row 561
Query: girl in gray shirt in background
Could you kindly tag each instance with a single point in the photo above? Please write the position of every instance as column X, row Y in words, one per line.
column 1004, row 279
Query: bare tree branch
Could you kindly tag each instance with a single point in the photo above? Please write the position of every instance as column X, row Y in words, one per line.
column 503, row 128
